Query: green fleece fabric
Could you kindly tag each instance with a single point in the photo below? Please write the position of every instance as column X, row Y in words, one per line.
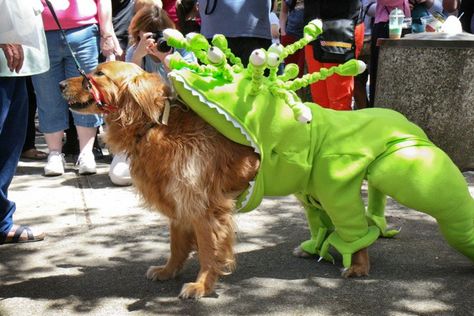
column 325, row 161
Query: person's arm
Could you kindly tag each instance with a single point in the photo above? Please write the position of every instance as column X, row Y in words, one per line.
column 142, row 48
column 451, row 5
column 109, row 43
column 275, row 25
column 428, row 3
column 14, row 55
column 370, row 7
column 283, row 18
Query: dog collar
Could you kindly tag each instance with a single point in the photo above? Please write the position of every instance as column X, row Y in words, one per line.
column 98, row 96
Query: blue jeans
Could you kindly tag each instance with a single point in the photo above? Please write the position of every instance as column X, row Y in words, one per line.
column 13, row 121
column 53, row 110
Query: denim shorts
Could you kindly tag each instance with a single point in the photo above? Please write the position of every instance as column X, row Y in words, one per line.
column 53, row 110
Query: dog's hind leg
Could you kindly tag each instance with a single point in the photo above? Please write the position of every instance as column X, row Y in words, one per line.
column 181, row 243
column 425, row 179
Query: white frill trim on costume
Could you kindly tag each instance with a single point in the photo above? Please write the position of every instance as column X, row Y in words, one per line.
column 228, row 118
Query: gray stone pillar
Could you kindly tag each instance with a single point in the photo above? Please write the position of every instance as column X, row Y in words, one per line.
column 429, row 77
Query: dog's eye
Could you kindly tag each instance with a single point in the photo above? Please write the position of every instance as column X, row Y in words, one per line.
column 99, row 73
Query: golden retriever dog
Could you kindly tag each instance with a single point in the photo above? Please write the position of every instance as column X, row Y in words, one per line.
column 185, row 169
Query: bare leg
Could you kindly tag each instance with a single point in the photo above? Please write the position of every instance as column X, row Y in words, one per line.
column 54, row 141
column 86, row 137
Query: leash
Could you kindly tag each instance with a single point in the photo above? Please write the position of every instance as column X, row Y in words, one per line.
column 91, row 85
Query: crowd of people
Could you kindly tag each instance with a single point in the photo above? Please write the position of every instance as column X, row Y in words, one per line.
column 131, row 30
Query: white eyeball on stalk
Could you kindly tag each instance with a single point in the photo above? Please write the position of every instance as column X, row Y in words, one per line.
column 302, row 113
column 276, row 48
column 197, row 41
column 258, row 58
column 215, row 55
column 174, row 38
column 174, row 61
column 172, row 33
column 361, row 66
column 273, row 60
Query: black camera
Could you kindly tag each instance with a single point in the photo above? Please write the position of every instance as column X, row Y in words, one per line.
column 161, row 43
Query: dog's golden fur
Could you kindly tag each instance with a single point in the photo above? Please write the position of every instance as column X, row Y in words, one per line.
column 186, row 169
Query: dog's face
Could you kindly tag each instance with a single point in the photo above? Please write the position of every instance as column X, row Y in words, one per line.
column 121, row 87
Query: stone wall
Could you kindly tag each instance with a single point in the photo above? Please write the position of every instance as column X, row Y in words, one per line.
column 430, row 79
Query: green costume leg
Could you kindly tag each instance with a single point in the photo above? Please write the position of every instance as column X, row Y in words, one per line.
column 376, row 211
column 337, row 183
column 318, row 222
column 425, row 179
column 347, row 212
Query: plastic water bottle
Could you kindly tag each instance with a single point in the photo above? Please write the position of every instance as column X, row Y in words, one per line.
column 395, row 23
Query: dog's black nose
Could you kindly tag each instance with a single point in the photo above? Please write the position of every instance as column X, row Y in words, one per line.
column 62, row 85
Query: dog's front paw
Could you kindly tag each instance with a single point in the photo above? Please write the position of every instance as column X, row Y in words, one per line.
column 355, row 271
column 193, row 290
column 160, row 273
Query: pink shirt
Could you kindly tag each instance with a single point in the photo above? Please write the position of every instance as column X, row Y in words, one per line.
column 170, row 7
column 382, row 11
column 71, row 14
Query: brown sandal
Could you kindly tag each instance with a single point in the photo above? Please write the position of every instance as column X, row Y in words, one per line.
column 34, row 154
column 18, row 238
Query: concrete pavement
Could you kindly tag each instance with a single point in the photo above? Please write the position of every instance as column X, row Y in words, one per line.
column 101, row 241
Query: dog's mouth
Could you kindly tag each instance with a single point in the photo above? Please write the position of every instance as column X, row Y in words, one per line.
column 81, row 105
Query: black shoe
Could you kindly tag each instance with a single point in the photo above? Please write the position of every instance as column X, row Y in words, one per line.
column 98, row 154
column 96, row 150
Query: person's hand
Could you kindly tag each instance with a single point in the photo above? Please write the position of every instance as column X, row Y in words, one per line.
column 14, row 55
column 153, row 50
column 109, row 45
column 146, row 40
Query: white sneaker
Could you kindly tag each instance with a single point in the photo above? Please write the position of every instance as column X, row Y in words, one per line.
column 119, row 172
column 55, row 164
column 86, row 163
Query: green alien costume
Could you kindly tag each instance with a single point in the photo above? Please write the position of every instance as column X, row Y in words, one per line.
column 320, row 155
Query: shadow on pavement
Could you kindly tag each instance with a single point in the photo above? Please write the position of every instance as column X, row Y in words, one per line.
column 85, row 268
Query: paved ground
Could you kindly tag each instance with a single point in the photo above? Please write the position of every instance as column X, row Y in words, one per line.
column 101, row 241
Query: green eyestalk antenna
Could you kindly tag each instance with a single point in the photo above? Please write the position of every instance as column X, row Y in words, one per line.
column 220, row 41
column 289, row 72
column 310, row 33
column 256, row 69
column 274, row 60
column 352, row 67
column 217, row 58
column 176, row 61
column 218, row 61
column 175, row 39
column 199, row 45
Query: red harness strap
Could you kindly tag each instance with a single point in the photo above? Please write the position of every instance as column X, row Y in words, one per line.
column 99, row 97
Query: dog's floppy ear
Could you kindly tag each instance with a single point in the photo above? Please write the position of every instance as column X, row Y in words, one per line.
column 146, row 91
